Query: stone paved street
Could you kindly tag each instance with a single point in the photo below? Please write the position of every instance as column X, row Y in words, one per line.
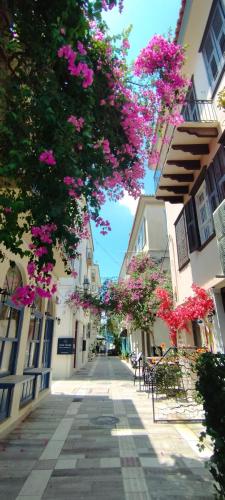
column 94, row 438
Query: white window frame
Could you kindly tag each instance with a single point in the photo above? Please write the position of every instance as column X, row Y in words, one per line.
column 204, row 214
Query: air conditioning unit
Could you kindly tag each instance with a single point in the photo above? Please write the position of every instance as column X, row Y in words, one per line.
column 219, row 223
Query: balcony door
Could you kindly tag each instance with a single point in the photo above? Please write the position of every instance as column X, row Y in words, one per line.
column 190, row 111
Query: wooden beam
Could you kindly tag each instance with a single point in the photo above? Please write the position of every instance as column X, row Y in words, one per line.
column 175, row 189
column 187, row 164
column 199, row 131
column 194, row 149
column 179, row 177
column 171, row 199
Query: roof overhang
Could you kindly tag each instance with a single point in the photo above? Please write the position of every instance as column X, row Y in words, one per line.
column 190, row 142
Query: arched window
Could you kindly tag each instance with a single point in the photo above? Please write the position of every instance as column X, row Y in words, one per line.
column 10, row 323
column 13, row 279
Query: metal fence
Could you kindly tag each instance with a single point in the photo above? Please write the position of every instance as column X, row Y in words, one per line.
column 172, row 382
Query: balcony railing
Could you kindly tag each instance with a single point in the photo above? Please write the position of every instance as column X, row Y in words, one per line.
column 5, row 398
column 197, row 110
column 45, row 379
column 27, row 392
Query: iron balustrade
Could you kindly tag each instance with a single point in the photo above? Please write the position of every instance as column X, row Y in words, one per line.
column 198, row 110
column 27, row 392
column 194, row 111
column 5, row 400
column 172, row 381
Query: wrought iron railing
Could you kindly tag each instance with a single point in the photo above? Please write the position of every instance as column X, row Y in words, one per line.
column 5, row 400
column 172, row 381
column 198, row 110
column 27, row 391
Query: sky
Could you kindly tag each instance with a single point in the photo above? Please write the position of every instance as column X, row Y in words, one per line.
column 147, row 17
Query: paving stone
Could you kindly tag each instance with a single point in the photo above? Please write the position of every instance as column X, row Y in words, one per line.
column 110, row 462
column 10, row 487
column 138, row 496
column 35, row 483
column 66, row 464
column 57, row 453
column 135, row 484
column 45, row 464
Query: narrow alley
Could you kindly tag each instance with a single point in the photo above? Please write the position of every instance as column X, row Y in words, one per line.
column 94, row 438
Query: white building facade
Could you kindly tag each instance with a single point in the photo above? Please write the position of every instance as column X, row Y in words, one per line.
column 190, row 175
column 76, row 329
column 29, row 335
column 148, row 236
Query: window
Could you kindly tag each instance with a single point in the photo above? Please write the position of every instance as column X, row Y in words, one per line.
column 213, row 47
column 181, row 240
column 192, row 226
column 141, row 239
column 9, row 332
column 190, row 110
column 33, row 342
column 215, row 179
column 204, row 215
column 10, row 323
column 47, row 346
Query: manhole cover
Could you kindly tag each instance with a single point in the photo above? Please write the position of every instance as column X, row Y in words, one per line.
column 77, row 400
column 105, row 420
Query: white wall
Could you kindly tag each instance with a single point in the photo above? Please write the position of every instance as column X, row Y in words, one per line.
column 63, row 365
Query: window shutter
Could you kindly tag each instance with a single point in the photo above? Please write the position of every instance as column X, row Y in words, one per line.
column 220, row 172
column 192, row 225
column 212, row 187
column 219, row 31
column 181, row 241
column 211, row 58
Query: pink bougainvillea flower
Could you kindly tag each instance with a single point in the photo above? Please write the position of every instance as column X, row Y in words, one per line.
column 77, row 122
column 47, row 157
column 81, row 48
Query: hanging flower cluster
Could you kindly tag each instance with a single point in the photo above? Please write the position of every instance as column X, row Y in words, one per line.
column 199, row 306
column 86, row 302
column 162, row 61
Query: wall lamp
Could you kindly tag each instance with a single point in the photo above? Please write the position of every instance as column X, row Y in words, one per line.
column 4, row 294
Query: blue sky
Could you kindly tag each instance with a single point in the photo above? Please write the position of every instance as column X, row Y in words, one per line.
column 147, row 17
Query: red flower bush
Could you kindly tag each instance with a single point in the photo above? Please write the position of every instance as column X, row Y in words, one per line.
column 196, row 307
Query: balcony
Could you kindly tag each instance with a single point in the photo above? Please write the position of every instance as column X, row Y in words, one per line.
column 189, row 145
